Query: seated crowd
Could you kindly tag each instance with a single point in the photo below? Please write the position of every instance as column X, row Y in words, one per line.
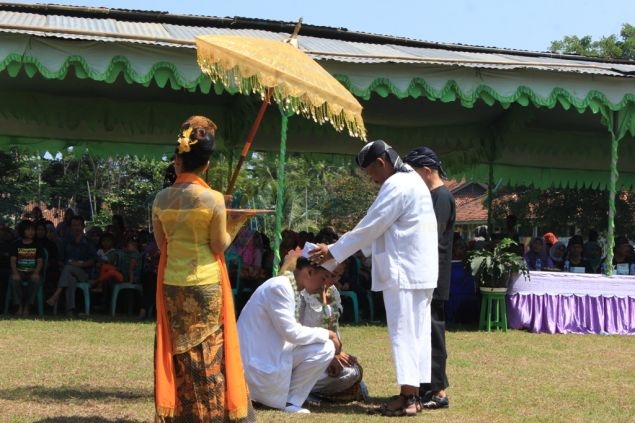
column 115, row 254
column 547, row 253
column 567, row 254
column 257, row 262
column 100, row 257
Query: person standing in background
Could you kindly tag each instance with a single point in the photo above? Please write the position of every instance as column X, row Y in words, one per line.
column 426, row 163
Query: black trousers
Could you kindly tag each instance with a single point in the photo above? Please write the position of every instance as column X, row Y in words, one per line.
column 439, row 378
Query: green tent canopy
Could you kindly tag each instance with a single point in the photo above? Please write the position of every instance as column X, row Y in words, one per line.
column 532, row 121
column 121, row 81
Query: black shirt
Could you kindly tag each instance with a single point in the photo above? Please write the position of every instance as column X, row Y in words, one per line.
column 445, row 211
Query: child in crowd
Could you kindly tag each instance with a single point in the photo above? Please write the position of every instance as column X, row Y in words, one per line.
column 107, row 263
column 130, row 264
column 26, row 260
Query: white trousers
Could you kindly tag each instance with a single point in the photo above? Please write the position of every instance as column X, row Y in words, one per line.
column 408, row 318
column 309, row 364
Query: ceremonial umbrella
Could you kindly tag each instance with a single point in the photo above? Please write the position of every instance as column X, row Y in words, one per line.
column 297, row 83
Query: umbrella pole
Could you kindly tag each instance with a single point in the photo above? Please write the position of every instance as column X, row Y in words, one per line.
column 277, row 236
column 250, row 138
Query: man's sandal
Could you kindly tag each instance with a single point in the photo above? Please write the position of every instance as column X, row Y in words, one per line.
column 401, row 405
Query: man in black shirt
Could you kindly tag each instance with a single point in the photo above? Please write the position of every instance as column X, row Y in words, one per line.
column 426, row 163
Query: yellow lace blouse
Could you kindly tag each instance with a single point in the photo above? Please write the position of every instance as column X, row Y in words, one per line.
column 187, row 214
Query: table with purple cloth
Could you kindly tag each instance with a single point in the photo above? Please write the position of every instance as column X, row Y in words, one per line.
column 557, row 302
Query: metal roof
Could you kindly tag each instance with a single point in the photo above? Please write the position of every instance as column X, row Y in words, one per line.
column 323, row 43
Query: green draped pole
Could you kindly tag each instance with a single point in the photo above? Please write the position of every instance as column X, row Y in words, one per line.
column 491, row 153
column 277, row 236
column 490, row 198
column 610, row 242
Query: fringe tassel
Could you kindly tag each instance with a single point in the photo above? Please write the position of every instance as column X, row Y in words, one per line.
column 238, row 414
column 162, row 413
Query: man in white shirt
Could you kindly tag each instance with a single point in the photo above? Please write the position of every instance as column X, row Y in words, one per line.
column 283, row 359
column 400, row 232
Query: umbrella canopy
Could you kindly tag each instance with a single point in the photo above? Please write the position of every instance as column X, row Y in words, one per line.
column 299, row 84
column 293, row 79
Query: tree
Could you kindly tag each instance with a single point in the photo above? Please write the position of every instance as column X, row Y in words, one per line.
column 310, row 183
column 319, row 190
column 11, row 178
column 138, row 180
column 611, row 47
column 564, row 210
column 351, row 195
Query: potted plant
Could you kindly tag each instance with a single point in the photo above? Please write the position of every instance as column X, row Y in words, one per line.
column 492, row 268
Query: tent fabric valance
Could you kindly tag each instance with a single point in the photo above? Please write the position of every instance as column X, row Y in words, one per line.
column 177, row 68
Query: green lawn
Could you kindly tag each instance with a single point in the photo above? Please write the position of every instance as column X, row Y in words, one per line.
column 101, row 371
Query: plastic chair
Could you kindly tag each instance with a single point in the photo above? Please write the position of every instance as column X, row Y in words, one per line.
column 39, row 297
column 493, row 311
column 85, row 287
column 237, row 289
column 371, row 305
column 353, row 296
column 232, row 258
column 120, row 287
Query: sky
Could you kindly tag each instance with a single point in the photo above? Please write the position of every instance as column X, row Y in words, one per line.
column 514, row 24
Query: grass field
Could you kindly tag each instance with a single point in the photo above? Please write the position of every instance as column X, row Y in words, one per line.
column 100, row 371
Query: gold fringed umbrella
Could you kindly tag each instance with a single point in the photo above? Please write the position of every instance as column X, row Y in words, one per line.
column 299, row 84
column 279, row 70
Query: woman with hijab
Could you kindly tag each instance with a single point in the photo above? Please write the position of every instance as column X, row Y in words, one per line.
column 198, row 371
column 536, row 258
column 557, row 254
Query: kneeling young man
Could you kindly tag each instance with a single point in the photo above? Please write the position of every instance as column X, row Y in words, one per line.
column 282, row 358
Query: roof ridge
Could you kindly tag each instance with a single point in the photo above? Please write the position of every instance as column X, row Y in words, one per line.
column 237, row 22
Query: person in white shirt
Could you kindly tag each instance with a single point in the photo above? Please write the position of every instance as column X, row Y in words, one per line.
column 282, row 358
column 400, row 232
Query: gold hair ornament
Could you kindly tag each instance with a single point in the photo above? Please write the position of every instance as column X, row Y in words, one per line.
column 185, row 143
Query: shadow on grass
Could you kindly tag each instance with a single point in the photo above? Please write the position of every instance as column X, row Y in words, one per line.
column 64, row 393
column 88, row 419
column 326, row 407
column 95, row 317
column 462, row 327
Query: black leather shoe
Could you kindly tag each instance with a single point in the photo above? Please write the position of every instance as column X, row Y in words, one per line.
column 436, row 402
column 425, row 397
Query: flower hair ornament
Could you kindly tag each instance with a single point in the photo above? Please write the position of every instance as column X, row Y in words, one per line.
column 185, row 142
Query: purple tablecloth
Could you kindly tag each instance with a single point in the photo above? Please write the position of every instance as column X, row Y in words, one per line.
column 572, row 303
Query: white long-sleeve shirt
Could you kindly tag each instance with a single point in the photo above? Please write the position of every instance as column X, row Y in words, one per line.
column 268, row 332
column 400, row 232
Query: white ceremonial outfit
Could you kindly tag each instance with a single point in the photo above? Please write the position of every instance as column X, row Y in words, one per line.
column 400, row 232
column 282, row 358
